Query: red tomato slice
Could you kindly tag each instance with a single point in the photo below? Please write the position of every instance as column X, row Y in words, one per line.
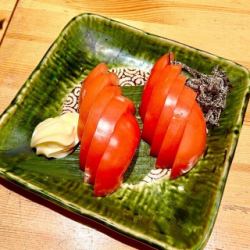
column 176, row 128
column 117, row 156
column 160, row 64
column 157, row 100
column 192, row 145
column 89, row 96
column 102, row 100
column 100, row 68
column 104, row 130
column 166, row 114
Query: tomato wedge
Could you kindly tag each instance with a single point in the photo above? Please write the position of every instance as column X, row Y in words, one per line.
column 117, row 156
column 160, row 64
column 96, row 110
column 90, row 95
column 100, row 68
column 157, row 99
column 192, row 145
column 176, row 128
column 104, row 130
column 166, row 114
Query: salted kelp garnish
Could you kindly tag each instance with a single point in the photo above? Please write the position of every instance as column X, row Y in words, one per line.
column 212, row 92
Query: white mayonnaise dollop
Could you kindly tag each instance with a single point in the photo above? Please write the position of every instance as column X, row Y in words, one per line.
column 56, row 137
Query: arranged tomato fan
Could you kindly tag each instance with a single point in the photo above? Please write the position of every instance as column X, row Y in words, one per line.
column 107, row 129
column 173, row 122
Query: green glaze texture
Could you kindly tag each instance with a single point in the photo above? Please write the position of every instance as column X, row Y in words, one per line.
column 166, row 214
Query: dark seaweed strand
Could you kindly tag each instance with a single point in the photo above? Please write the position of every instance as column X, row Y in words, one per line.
column 212, row 91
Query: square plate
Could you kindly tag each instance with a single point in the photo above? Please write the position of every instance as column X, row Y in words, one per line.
column 165, row 214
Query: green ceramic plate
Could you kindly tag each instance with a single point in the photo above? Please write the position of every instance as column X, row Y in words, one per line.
column 166, row 214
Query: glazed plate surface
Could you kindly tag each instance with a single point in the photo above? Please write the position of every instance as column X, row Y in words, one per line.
column 165, row 214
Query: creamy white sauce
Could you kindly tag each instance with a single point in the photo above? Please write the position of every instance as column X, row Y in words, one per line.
column 56, row 137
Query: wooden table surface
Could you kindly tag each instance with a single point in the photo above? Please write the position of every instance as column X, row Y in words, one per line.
column 28, row 28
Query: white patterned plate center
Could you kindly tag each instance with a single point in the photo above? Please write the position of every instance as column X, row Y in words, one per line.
column 127, row 77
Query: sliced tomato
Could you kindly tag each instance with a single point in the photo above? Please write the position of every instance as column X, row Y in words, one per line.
column 89, row 96
column 160, row 64
column 192, row 145
column 96, row 110
column 157, row 100
column 176, row 128
column 100, row 68
column 117, row 156
column 105, row 128
column 166, row 114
